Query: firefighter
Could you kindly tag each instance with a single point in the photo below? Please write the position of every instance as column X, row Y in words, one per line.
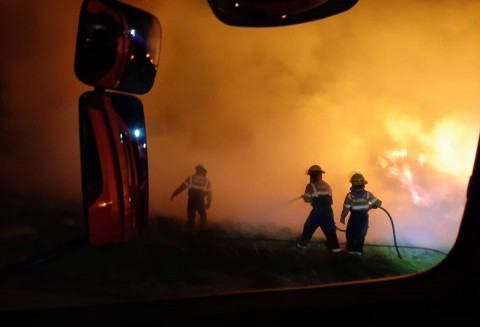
column 199, row 195
column 318, row 194
column 357, row 202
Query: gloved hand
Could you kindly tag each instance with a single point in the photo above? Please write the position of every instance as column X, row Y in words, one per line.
column 306, row 198
column 377, row 204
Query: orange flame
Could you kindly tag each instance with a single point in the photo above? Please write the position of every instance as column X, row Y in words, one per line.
column 396, row 162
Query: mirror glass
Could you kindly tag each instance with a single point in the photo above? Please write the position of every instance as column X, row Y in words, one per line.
column 117, row 46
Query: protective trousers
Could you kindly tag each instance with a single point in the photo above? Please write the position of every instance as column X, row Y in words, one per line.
column 320, row 217
column 356, row 231
column 194, row 205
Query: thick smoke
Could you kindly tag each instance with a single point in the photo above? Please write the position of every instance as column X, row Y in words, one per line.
column 389, row 89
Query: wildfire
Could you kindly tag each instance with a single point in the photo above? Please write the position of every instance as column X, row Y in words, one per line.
column 396, row 163
column 437, row 161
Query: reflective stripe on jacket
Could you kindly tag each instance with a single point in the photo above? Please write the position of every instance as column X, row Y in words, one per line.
column 318, row 193
column 362, row 202
column 198, row 183
column 317, row 189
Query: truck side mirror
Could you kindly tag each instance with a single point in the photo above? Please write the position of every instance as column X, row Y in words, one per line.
column 117, row 47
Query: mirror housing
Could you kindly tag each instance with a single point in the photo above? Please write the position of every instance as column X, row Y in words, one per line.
column 114, row 166
column 118, row 46
column 270, row 13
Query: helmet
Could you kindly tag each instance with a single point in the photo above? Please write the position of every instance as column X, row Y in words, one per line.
column 314, row 168
column 201, row 167
column 358, row 179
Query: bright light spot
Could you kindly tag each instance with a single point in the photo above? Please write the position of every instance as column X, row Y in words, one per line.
column 284, row 16
column 132, row 32
column 453, row 149
column 104, row 204
column 421, row 159
column 136, row 132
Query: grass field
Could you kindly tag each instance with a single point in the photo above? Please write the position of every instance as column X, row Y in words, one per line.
column 168, row 263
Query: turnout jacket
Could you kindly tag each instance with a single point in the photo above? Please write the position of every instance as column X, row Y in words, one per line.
column 318, row 193
column 198, row 187
column 359, row 200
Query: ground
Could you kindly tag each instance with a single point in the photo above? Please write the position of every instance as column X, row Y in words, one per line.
column 168, row 262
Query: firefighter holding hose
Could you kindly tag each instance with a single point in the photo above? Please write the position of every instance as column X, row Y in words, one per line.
column 357, row 202
column 318, row 194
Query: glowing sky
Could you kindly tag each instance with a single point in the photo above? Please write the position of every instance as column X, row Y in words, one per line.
column 389, row 88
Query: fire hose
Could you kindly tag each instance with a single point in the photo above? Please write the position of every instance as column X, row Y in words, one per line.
column 393, row 230
column 343, row 230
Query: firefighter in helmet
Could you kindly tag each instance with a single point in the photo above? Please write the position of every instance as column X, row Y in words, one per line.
column 199, row 195
column 357, row 202
column 318, row 194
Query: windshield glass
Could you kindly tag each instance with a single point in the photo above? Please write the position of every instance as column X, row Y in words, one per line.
column 387, row 89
